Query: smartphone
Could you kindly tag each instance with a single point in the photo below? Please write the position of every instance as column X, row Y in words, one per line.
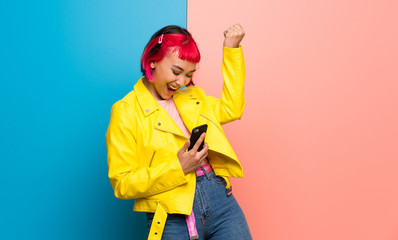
column 196, row 132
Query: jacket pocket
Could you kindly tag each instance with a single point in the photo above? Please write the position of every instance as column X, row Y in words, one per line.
column 214, row 122
column 153, row 156
column 157, row 156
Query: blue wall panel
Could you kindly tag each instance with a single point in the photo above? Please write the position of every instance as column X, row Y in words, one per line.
column 62, row 65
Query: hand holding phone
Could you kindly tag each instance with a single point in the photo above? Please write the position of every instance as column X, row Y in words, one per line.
column 195, row 135
column 191, row 160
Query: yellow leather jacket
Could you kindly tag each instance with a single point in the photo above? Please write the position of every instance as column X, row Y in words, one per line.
column 143, row 141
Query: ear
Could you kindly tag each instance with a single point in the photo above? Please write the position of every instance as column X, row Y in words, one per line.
column 153, row 64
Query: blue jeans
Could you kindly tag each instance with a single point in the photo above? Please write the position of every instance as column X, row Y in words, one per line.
column 218, row 215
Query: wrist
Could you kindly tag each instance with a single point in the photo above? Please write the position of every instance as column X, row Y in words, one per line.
column 231, row 45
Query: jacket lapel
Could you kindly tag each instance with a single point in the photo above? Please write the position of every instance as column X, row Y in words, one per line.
column 163, row 121
column 189, row 107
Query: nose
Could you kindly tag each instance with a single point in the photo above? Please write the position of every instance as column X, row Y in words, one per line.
column 182, row 81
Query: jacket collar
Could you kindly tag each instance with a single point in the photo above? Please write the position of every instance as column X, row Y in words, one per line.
column 146, row 100
column 187, row 103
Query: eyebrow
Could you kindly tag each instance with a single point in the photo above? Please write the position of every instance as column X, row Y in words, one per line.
column 182, row 68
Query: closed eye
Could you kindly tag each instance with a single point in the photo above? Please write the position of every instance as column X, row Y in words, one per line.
column 176, row 73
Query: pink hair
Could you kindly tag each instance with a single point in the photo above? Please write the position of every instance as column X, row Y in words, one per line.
column 180, row 44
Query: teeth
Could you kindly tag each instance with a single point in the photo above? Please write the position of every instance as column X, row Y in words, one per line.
column 172, row 87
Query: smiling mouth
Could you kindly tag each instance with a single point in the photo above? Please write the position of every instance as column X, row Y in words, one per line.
column 171, row 88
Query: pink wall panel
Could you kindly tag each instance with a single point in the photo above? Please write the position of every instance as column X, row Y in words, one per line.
column 319, row 136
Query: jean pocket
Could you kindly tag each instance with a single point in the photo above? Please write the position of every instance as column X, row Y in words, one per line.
column 219, row 180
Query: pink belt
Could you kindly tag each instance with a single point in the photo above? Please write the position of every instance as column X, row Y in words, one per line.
column 190, row 219
column 206, row 167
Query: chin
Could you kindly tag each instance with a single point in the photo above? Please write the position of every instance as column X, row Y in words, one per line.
column 166, row 97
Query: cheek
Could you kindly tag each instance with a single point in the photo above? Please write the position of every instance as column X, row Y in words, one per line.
column 164, row 76
column 160, row 86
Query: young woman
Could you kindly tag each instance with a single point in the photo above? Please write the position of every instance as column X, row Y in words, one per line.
column 186, row 194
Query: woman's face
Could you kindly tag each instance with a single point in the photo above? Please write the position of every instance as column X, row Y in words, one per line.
column 169, row 75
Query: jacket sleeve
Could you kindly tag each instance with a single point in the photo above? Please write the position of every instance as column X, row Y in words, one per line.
column 128, row 180
column 232, row 102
